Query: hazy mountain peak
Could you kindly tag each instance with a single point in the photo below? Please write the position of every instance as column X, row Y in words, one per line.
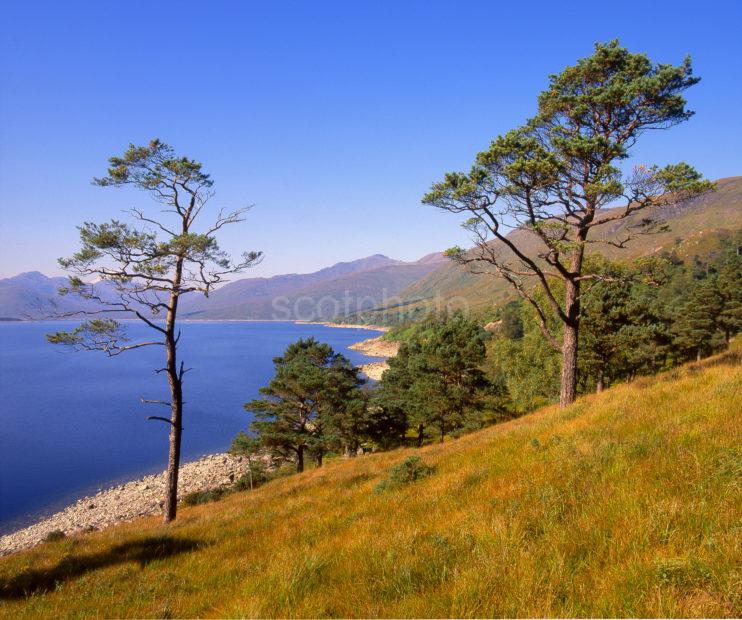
column 30, row 276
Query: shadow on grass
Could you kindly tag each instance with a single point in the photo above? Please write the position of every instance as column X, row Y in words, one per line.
column 142, row 551
column 727, row 358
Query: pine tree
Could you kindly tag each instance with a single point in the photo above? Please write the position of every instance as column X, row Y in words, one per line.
column 147, row 266
column 729, row 284
column 437, row 378
column 313, row 391
column 604, row 315
column 697, row 326
column 551, row 179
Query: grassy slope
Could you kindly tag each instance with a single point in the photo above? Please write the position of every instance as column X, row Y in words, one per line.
column 625, row 504
column 696, row 225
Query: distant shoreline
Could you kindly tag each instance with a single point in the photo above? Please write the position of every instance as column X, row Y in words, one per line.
column 378, row 328
column 376, row 347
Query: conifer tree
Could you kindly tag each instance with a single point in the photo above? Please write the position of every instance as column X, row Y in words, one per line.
column 142, row 270
column 604, row 316
column 697, row 326
column 437, row 377
column 313, row 391
column 552, row 178
column 729, row 284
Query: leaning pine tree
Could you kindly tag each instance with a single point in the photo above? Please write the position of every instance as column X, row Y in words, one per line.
column 551, row 179
column 142, row 271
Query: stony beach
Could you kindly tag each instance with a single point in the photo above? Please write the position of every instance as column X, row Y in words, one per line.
column 376, row 347
column 127, row 501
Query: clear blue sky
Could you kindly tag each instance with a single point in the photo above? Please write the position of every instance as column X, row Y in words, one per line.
column 333, row 118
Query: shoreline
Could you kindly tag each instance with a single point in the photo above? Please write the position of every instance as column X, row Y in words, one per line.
column 376, row 347
column 375, row 328
column 124, row 502
column 142, row 496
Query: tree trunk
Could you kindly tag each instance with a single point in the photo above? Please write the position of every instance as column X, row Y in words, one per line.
column 599, row 382
column 176, row 428
column 568, row 387
column 175, row 381
column 300, row 459
column 318, row 459
column 173, row 461
column 443, row 431
column 249, row 472
column 420, row 435
column 698, row 354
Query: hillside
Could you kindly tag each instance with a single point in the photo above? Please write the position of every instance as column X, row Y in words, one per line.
column 323, row 295
column 695, row 228
column 624, row 504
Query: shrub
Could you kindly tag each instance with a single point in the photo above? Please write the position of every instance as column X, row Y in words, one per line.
column 259, row 474
column 406, row 472
column 204, row 497
column 54, row 535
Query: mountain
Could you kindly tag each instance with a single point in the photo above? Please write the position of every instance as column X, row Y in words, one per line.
column 323, row 295
column 625, row 504
column 343, row 288
column 696, row 226
column 34, row 295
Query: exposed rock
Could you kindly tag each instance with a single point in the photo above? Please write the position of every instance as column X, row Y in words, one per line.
column 376, row 347
column 374, row 370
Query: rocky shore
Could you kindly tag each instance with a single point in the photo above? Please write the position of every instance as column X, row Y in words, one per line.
column 127, row 501
column 144, row 497
column 376, row 347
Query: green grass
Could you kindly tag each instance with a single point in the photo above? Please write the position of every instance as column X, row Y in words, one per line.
column 625, row 504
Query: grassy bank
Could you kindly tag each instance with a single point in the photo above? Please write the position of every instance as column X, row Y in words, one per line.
column 625, row 504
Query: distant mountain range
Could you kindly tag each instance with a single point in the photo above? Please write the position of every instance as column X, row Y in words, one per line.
column 344, row 288
column 339, row 290
column 378, row 289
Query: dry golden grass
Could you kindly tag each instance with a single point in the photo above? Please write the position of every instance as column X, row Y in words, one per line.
column 625, row 504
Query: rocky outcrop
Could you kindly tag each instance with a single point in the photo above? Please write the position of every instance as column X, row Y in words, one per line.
column 376, row 347
column 374, row 370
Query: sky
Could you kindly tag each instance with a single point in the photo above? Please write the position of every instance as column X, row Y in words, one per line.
column 331, row 118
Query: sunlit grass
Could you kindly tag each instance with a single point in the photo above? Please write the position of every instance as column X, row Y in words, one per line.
column 625, row 504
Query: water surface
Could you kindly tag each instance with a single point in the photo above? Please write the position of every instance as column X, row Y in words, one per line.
column 72, row 422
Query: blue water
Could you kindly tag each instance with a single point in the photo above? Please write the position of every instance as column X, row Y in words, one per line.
column 72, row 422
